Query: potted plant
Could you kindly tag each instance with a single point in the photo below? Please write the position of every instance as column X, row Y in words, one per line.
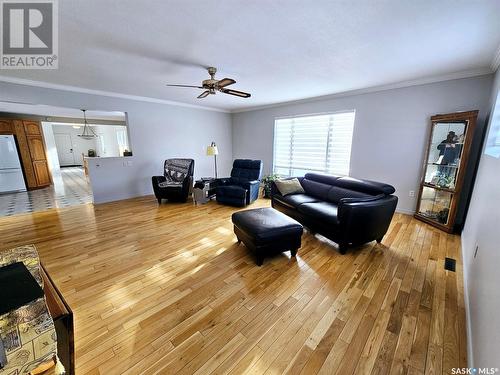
column 267, row 181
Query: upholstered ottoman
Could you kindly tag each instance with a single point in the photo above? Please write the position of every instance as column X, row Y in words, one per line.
column 267, row 231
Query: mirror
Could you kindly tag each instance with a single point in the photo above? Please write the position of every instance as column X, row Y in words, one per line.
column 445, row 152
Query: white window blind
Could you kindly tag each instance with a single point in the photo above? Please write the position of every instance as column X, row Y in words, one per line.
column 320, row 143
column 121, row 137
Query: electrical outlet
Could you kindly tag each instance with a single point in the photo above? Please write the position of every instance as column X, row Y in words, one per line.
column 412, row 193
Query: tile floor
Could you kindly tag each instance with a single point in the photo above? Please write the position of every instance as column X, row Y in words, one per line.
column 70, row 188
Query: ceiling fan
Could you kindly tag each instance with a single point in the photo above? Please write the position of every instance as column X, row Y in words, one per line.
column 212, row 85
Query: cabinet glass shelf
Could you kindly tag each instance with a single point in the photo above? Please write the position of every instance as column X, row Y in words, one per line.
column 435, row 204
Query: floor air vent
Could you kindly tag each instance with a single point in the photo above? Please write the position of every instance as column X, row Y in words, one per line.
column 449, row 264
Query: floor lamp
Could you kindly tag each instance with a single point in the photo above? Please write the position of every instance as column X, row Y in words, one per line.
column 212, row 150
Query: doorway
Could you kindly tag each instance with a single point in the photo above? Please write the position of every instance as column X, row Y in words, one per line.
column 64, row 147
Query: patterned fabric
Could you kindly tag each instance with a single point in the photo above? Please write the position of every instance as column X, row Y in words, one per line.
column 176, row 171
column 170, row 184
column 28, row 333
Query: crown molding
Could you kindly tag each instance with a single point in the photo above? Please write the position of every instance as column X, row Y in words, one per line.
column 495, row 63
column 391, row 86
column 55, row 86
column 403, row 84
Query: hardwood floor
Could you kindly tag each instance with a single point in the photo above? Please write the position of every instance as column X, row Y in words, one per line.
column 166, row 289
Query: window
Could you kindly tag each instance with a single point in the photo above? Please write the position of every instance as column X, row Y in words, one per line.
column 121, row 137
column 320, row 143
column 493, row 141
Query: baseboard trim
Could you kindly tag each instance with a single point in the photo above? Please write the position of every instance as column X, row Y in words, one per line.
column 470, row 354
column 405, row 211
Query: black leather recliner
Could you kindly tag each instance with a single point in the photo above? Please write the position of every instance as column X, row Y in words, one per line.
column 346, row 210
column 176, row 182
column 242, row 187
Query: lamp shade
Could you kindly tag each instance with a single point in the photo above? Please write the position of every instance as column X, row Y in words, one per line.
column 212, row 150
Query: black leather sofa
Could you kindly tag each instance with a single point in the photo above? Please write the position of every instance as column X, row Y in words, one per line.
column 242, row 187
column 346, row 210
column 176, row 182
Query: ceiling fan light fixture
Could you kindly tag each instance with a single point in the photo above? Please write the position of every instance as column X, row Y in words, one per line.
column 211, row 86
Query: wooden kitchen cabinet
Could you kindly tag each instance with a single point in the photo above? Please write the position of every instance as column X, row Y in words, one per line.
column 29, row 138
column 32, row 128
column 37, row 148
column 42, row 172
column 6, row 127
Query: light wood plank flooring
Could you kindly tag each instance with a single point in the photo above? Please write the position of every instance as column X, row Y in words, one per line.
column 165, row 289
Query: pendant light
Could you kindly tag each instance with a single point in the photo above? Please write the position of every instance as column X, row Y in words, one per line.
column 88, row 133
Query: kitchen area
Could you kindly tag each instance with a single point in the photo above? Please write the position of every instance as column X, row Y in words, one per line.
column 43, row 158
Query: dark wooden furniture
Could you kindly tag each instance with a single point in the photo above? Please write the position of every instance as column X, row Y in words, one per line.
column 267, row 231
column 445, row 166
column 30, row 142
column 63, row 321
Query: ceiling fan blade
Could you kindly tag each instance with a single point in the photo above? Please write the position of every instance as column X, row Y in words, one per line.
column 196, row 87
column 236, row 93
column 203, row 94
column 225, row 82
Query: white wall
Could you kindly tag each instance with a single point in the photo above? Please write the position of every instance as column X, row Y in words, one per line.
column 51, row 148
column 157, row 132
column 482, row 275
column 390, row 131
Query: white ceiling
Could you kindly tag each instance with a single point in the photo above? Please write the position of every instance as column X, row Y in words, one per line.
column 279, row 50
column 52, row 111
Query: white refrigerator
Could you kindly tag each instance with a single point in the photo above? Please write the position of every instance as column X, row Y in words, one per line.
column 11, row 173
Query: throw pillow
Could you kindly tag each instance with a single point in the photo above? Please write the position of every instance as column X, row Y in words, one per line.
column 287, row 187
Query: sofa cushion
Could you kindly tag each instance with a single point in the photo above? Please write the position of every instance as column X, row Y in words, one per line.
column 321, row 177
column 320, row 211
column 337, row 193
column 364, row 186
column 291, row 186
column 169, row 183
column 316, row 189
column 294, row 200
column 231, row 191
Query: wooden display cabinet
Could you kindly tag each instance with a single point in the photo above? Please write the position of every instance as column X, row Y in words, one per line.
column 444, row 168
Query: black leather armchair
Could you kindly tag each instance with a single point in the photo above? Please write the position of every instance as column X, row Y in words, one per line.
column 176, row 182
column 346, row 210
column 242, row 187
